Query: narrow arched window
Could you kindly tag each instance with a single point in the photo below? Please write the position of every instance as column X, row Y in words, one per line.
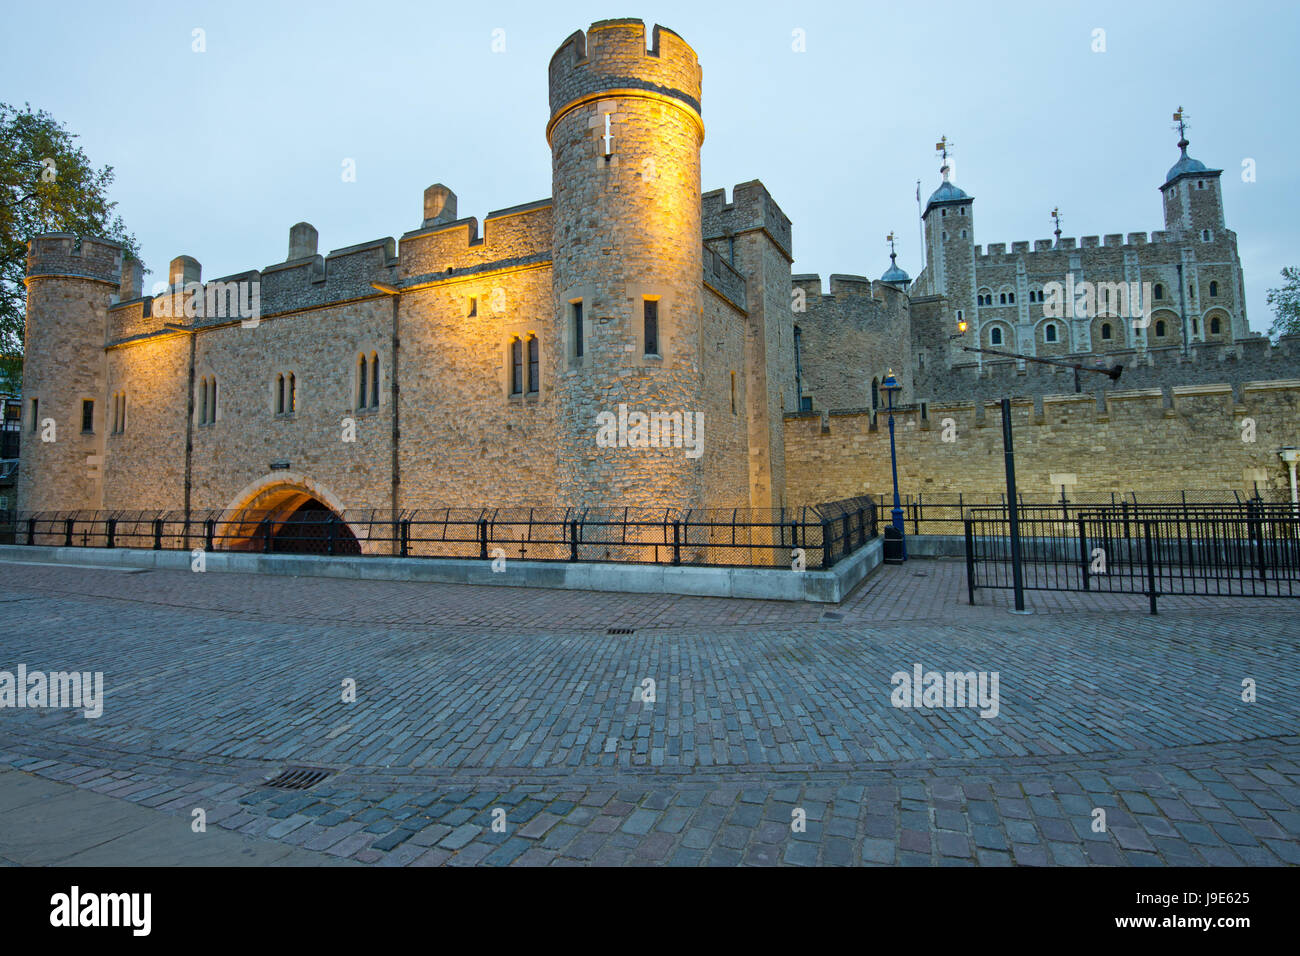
column 1215, row 325
column 875, row 393
column 1011, row 297
column 1160, row 329
column 1105, row 331
column 212, row 402
column 1159, row 291
column 279, row 394
column 293, row 393
column 374, row 379
column 516, row 366
column 1214, row 289
column 361, row 382
column 995, row 336
column 1049, row 332
column 203, row 400
column 534, row 365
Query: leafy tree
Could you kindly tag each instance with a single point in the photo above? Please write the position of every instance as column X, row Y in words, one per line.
column 46, row 185
column 1286, row 304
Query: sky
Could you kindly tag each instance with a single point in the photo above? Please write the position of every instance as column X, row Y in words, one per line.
column 217, row 153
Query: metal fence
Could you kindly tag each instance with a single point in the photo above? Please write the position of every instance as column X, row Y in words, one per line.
column 1247, row 549
column 705, row 537
column 946, row 513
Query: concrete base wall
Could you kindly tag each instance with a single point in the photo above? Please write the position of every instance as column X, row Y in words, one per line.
column 829, row 587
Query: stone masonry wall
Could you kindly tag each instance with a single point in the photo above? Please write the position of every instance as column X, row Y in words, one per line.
column 1135, row 440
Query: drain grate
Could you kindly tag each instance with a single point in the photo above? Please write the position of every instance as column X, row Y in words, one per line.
column 621, row 631
column 298, row 778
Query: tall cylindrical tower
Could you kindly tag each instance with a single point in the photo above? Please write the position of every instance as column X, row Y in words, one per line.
column 70, row 285
column 625, row 134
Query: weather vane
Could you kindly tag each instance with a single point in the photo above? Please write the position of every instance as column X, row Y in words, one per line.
column 941, row 148
column 1180, row 124
column 890, row 239
column 1056, row 218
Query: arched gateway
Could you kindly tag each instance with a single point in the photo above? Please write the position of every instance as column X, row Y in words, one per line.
column 288, row 513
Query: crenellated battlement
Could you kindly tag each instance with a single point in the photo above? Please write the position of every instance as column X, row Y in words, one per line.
column 751, row 208
column 995, row 251
column 847, row 287
column 71, row 256
column 612, row 55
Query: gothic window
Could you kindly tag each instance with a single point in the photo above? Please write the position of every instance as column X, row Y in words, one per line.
column 363, row 392
column 875, row 393
column 1105, row 331
column 293, row 393
column 279, row 394
column 1011, row 297
column 534, row 365
column 1002, row 298
column 1214, row 325
column 374, row 379
column 995, row 336
column 203, row 401
column 1049, row 332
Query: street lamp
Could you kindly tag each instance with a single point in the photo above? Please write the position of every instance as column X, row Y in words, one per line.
column 892, row 385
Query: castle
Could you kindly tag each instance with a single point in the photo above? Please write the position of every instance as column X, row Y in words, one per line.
column 459, row 367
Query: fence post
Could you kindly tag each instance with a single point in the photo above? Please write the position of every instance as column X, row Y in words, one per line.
column 157, row 534
column 331, row 533
column 677, row 541
column 482, row 538
column 916, row 515
column 826, row 544
column 1083, row 554
column 1257, row 536
column 110, row 531
column 404, row 534
column 31, row 531
column 1124, row 508
column 573, row 539
column 970, row 561
column 1151, row 566
column 67, row 532
column 266, row 536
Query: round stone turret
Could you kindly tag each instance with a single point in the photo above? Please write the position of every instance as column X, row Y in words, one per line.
column 625, row 134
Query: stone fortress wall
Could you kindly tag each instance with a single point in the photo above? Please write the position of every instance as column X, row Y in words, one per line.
column 440, row 316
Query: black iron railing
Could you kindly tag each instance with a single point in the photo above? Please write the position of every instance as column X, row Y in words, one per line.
column 812, row 537
column 1246, row 549
column 946, row 513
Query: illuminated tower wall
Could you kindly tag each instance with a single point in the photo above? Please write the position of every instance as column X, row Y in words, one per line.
column 626, row 231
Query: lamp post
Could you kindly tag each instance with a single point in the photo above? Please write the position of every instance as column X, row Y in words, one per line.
column 1290, row 455
column 892, row 385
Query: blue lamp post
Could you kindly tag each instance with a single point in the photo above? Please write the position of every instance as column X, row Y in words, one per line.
column 892, row 385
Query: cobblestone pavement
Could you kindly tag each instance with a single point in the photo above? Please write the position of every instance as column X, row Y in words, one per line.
column 477, row 705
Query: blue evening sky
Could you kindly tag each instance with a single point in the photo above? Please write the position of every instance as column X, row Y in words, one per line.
column 218, row 153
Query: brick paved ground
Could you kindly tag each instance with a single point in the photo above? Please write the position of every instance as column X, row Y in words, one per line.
column 472, row 700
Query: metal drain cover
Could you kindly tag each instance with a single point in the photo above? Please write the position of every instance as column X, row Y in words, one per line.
column 620, row 631
column 298, row 778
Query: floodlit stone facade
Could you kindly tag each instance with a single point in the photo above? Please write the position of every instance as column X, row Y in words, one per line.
column 562, row 354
